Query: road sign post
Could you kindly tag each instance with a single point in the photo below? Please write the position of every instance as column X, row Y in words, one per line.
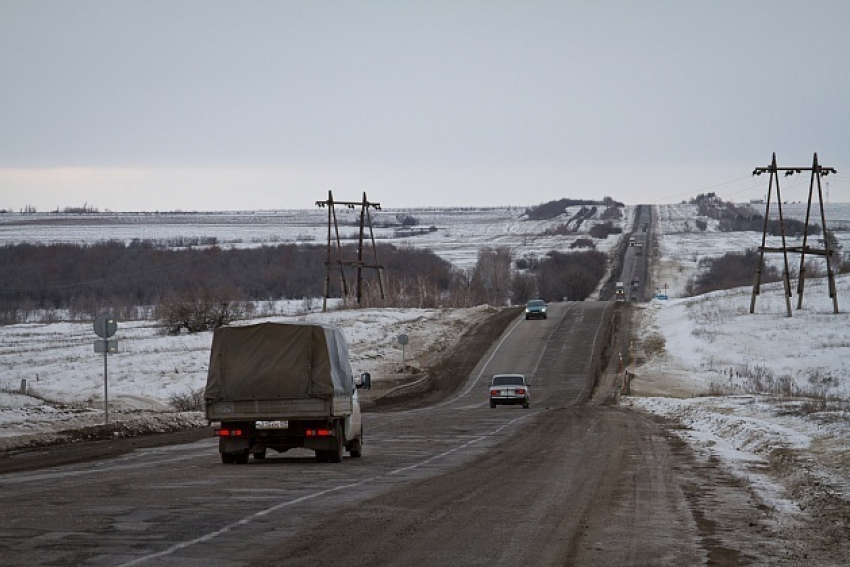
column 105, row 326
column 403, row 340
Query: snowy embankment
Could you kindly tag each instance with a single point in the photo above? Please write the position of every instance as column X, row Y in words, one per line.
column 56, row 365
column 766, row 395
column 751, row 389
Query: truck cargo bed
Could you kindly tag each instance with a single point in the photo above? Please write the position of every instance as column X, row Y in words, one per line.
column 253, row 410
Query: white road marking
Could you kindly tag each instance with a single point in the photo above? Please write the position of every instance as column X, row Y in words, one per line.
column 270, row 510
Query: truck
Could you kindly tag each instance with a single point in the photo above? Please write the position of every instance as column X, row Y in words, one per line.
column 282, row 386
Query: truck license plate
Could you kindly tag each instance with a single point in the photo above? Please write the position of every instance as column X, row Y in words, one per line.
column 272, row 425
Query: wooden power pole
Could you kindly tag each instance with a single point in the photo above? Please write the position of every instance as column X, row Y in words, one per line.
column 365, row 220
column 817, row 171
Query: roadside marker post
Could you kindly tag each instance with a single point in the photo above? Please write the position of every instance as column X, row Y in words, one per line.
column 104, row 327
column 403, row 340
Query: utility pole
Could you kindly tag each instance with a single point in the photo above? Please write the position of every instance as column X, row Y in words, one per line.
column 817, row 171
column 365, row 220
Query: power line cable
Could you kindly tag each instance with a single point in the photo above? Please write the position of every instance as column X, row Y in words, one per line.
column 749, row 188
column 698, row 191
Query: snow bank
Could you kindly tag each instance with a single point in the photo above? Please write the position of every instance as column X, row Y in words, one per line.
column 764, row 394
column 64, row 377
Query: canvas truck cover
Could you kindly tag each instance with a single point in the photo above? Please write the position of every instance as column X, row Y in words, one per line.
column 271, row 361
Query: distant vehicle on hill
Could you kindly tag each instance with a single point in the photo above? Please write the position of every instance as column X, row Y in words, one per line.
column 535, row 309
column 620, row 291
column 509, row 389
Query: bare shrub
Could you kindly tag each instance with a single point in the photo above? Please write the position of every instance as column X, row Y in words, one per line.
column 613, row 212
column 733, row 269
column 654, row 344
column 573, row 275
column 552, row 209
column 196, row 312
column 784, row 386
column 527, row 262
column 815, row 270
column 604, row 230
column 813, row 405
column 491, row 277
column 704, row 333
column 821, row 377
column 755, row 372
column 583, row 243
column 192, row 400
column 523, row 288
column 755, row 379
column 11, row 316
column 760, row 380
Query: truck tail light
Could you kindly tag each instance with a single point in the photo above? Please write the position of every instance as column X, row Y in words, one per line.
column 319, row 433
column 229, row 433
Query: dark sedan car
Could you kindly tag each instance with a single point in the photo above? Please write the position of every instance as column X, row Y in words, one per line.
column 535, row 309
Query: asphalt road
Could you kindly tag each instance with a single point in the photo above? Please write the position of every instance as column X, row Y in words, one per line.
column 569, row 481
column 635, row 266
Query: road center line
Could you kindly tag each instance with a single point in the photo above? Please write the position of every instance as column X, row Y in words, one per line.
column 519, row 320
column 262, row 513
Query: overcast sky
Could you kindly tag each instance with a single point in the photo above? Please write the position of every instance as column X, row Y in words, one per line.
column 208, row 105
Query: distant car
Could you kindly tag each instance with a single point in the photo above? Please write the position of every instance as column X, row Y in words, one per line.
column 620, row 292
column 510, row 389
column 535, row 309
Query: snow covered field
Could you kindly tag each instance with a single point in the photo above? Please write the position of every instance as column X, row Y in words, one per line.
column 458, row 234
column 56, row 364
column 683, row 245
column 765, row 395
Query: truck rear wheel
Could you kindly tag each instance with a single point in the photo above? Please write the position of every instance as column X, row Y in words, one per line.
column 355, row 450
column 227, row 458
column 336, row 453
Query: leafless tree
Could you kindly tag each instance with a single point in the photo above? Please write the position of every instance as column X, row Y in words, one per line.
column 523, row 288
column 491, row 278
